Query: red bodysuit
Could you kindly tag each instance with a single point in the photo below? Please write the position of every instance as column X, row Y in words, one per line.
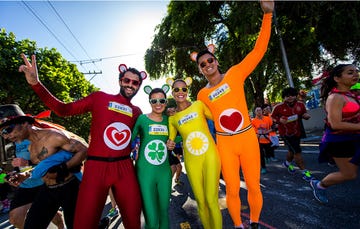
column 108, row 164
column 236, row 140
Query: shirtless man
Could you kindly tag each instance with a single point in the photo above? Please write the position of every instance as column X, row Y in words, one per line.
column 59, row 158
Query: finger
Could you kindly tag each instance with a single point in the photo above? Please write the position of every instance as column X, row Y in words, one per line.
column 33, row 59
column 26, row 61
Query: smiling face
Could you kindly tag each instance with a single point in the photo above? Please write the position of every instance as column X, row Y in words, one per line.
column 129, row 85
column 208, row 65
column 180, row 91
column 158, row 102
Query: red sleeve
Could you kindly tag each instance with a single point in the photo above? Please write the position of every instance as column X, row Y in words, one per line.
column 59, row 107
column 275, row 114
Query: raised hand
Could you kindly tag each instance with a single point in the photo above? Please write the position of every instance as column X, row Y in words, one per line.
column 267, row 6
column 30, row 69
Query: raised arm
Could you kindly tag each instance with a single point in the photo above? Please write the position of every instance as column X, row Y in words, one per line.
column 30, row 70
column 249, row 63
column 59, row 107
column 267, row 6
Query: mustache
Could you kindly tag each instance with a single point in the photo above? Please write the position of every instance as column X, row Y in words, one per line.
column 130, row 87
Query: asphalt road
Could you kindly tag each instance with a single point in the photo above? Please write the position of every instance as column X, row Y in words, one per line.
column 288, row 200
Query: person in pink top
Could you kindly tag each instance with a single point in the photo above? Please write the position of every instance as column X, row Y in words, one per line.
column 341, row 139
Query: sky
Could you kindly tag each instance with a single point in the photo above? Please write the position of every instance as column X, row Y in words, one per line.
column 107, row 33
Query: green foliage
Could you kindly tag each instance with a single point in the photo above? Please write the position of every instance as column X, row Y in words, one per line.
column 308, row 29
column 60, row 76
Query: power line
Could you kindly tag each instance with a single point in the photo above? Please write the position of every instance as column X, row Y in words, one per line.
column 81, row 62
column 51, row 32
column 72, row 34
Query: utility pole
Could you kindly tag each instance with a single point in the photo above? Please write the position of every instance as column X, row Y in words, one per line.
column 283, row 52
column 95, row 73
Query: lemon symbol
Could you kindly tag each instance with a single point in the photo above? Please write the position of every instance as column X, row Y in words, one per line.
column 197, row 143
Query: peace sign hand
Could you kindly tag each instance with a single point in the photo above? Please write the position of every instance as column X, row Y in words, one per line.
column 30, row 69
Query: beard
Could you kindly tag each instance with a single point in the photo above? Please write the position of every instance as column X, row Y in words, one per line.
column 128, row 96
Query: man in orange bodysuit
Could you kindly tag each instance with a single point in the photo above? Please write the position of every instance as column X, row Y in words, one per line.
column 236, row 139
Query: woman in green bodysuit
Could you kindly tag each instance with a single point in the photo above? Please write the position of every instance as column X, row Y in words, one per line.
column 152, row 164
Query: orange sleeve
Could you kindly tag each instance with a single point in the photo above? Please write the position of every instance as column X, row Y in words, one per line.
column 249, row 63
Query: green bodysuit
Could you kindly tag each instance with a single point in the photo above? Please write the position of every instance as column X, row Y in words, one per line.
column 153, row 170
column 202, row 161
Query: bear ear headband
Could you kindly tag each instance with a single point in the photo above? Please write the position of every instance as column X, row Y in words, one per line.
column 148, row 88
column 210, row 48
column 187, row 80
column 123, row 68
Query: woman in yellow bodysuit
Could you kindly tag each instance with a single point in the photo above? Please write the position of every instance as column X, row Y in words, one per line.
column 202, row 161
column 236, row 139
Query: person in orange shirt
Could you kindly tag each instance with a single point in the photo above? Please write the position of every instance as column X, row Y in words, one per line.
column 270, row 154
column 224, row 95
column 262, row 125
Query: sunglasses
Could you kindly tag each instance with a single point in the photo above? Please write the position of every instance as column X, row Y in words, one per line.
column 160, row 101
column 208, row 60
column 8, row 129
column 133, row 82
column 183, row 89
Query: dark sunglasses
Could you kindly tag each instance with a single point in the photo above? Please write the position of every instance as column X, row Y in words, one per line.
column 133, row 82
column 8, row 129
column 177, row 89
column 208, row 60
column 160, row 101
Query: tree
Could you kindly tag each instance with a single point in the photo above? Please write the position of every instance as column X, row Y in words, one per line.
column 60, row 76
column 233, row 27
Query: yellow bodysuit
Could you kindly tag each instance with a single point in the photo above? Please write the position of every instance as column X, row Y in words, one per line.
column 202, row 161
column 236, row 140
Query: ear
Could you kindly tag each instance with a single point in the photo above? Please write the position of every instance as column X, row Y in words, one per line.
column 193, row 56
column 188, row 80
column 166, row 88
column 211, row 48
column 122, row 68
column 143, row 75
column 147, row 89
column 169, row 81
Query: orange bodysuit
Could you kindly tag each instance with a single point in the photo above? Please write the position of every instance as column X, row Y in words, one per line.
column 236, row 139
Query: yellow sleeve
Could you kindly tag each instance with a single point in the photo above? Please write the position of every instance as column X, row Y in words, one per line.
column 207, row 111
column 172, row 129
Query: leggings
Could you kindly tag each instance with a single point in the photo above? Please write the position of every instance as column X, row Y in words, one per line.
column 245, row 154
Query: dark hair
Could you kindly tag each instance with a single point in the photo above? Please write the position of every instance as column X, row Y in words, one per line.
column 329, row 83
column 203, row 52
column 132, row 70
column 178, row 80
column 289, row 91
column 157, row 90
column 265, row 105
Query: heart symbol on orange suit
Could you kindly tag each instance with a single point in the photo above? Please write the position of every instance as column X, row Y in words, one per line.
column 118, row 137
column 231, row 122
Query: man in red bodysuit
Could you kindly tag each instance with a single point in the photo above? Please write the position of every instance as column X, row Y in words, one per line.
column 108, row 163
